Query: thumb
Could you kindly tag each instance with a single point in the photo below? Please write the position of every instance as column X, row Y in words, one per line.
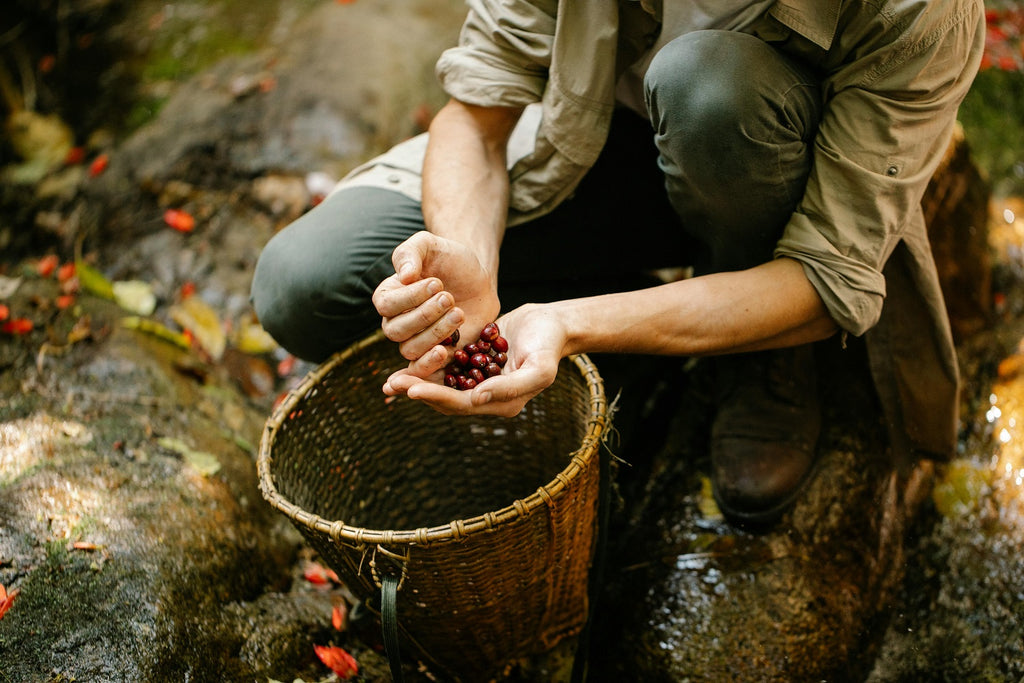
column 408, row 257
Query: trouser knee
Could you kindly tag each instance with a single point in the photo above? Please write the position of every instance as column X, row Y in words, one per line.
column 734, row 120
column 313, row 282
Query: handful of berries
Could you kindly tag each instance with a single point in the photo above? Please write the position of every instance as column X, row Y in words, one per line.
column 475, row 362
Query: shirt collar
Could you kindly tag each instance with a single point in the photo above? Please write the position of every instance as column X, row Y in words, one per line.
column 816, row 20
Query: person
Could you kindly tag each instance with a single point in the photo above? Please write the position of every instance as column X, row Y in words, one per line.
column 779, row 148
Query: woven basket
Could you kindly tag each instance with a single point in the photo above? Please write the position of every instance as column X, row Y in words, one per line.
column 489, row 522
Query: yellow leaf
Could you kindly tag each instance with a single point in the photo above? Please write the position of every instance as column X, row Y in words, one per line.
column 135, row 296
column 197, row 317
column 156, row 329
column 253, row 339
column 93, row 280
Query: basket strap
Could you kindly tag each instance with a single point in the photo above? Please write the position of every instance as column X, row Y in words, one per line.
column 389, row 625
column 604, row 497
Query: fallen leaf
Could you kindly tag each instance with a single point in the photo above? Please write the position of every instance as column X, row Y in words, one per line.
column 253, row 374
column 46, row 265
column 81, row 330
column 250, row 337
column 98, row 165
column 84, row 545
column 93, row 281
column 7, row 599
column 8, row 286
column 198, row 318
column 337, row 660
column 706, row 503
column 134, row 296
column 182, row 221
column 156, row 329
column 205, row 463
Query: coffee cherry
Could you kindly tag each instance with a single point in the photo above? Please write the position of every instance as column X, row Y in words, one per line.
column 490, row 332
column 476, row 361
column 451, row 340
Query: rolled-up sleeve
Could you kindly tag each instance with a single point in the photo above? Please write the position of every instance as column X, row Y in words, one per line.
column 503, row 55
column 888, row 117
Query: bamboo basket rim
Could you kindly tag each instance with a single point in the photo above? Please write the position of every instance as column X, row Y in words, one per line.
column 455, row 530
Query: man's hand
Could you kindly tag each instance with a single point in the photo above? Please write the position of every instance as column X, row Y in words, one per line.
column 536, row 345
column 438, row 287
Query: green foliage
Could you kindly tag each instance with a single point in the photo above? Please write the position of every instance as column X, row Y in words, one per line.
column 993, row 120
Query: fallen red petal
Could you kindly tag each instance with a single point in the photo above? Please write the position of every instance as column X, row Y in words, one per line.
column 46, row 265
column 338, row 616
column 316, row 574
column 65, row 301
column 337, row 660
column 66, row 272
column 17, row 326
column 182, row 221
column 285, row 366
column 46, row 63
column 76, row 155
column 5, row 313
column 187, row 290
column 98, row 165
column 7, row 600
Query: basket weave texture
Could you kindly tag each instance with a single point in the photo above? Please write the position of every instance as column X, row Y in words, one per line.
column 489, row 522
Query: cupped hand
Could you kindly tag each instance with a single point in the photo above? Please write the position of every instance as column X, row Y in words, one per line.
column 438, row 286
column 537, row 340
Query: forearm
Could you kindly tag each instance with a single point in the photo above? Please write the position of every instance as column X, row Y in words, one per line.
column 465, row 180
column 770, row 306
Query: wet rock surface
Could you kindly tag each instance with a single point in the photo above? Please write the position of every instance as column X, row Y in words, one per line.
column 141, row 548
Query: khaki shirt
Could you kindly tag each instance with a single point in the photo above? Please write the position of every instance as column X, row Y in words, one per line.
column 894, row 73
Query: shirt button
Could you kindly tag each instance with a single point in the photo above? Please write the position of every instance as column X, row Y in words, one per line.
column 394, row 178
column 892, row 171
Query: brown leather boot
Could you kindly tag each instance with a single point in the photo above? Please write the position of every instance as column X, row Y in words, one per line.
column 765, row 431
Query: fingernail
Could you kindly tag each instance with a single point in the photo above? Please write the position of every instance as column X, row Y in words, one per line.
column 483, row 397
column 434, row 287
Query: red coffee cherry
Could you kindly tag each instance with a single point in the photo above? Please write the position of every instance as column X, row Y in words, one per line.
column 490, row 332
column 451, row 340
column 476, row 361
